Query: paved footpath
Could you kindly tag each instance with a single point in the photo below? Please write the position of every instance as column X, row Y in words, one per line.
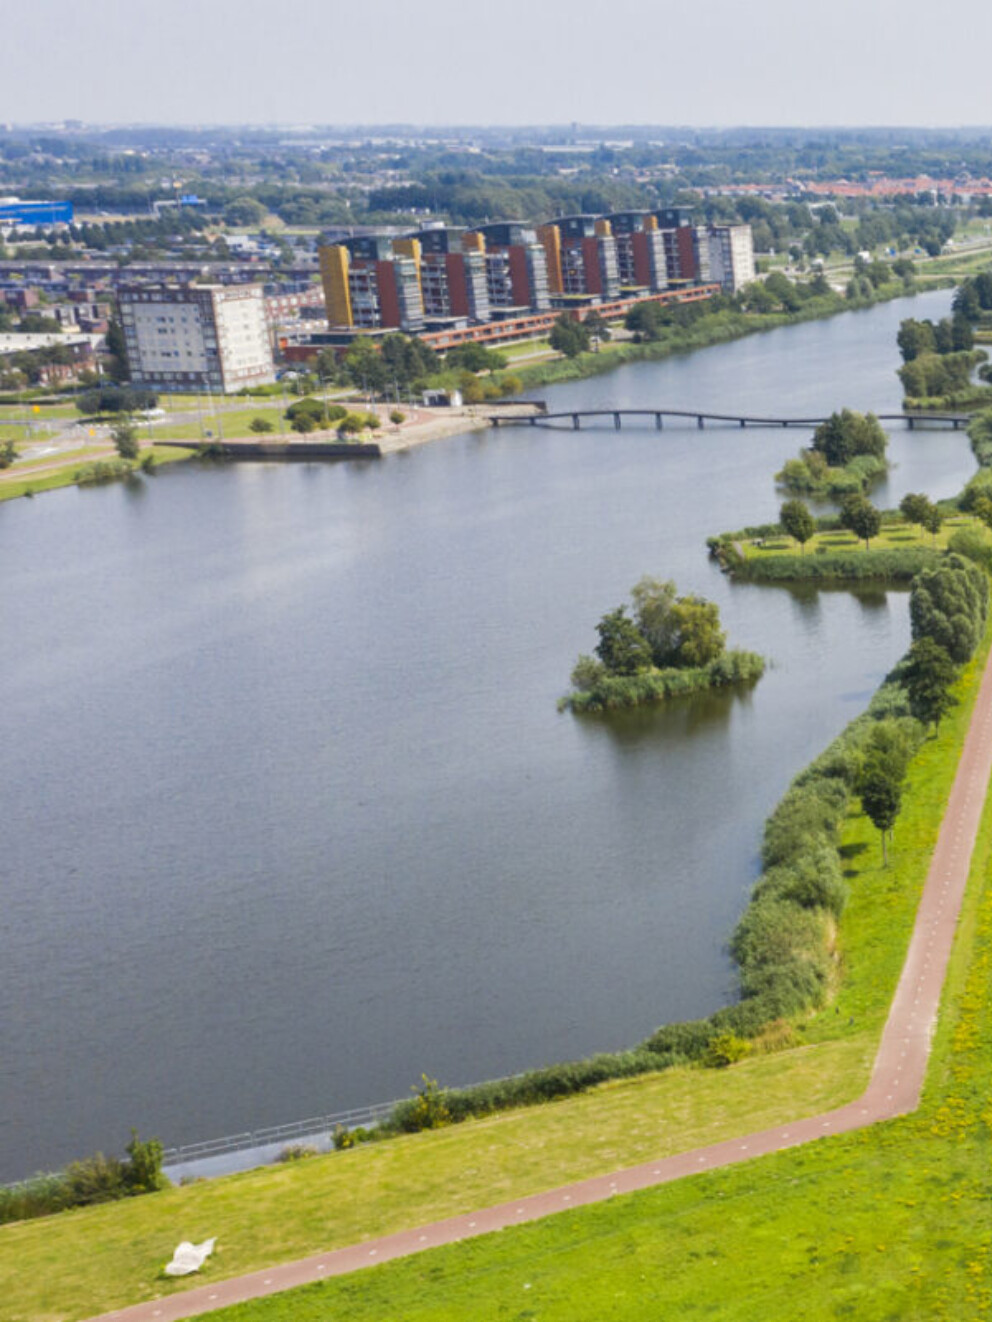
column 896, row 1081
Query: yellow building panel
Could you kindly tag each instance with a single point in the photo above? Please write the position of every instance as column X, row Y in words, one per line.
column 334, row 262
column 603, row 228
column 408, row 248
column 472, row 242
column 550, row 238
column 650, row 222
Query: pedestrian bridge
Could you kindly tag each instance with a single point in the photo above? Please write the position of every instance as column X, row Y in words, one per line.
column 702, row 419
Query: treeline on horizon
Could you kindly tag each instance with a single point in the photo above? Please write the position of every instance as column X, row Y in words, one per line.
column 328, row 178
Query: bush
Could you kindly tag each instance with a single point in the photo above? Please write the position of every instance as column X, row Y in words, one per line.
column 808, row 815
column 726, row 1049
column 891, row 565
column 774, row 932
column 143, row 1168
column 969, row 543
column 812, row 880
column 296, row 1152
column 428, row 1109
column 115, row 399
column 608, row 692
column 102, row 470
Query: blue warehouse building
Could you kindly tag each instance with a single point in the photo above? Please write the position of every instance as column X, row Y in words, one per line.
column 15, row 212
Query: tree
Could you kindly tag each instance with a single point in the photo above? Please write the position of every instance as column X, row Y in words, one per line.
column 881, row 799
column 622, row 648
column 861, row 516
column 845, row 435
column 933, row 520
column 927, row 678
column 396, row 417
column 653, row 600
column 475, row 358
column 245, row 211
column 117, row 366
column 260, row 426
column 949, row 605
column 797, row 521
column 596, row 328
column 913, row 507
column 569, row 337
column 915, row 337
column 142, row 1172
column 8, row 454
column 125, row 437
column 364, row 366
column 701, row 640
column 890, row 744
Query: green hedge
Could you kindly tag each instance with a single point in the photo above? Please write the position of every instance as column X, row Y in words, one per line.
column 895, row 565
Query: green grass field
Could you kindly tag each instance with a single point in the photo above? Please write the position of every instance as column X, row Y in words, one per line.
column 891, row 536
column 84, row 1262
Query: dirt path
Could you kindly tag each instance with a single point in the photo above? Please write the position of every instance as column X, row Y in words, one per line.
column 894, row 1089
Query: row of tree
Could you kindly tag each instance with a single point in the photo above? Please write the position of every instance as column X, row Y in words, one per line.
column 861, row 517
column 948, row 607
column 949, row 335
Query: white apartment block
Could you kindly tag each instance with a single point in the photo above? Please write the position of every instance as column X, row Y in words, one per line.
column 197, row 337
column 731, row 252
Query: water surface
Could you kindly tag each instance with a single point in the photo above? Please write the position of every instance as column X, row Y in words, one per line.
column 290, row 815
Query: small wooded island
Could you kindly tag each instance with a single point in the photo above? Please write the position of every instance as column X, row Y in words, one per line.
column 669, row 646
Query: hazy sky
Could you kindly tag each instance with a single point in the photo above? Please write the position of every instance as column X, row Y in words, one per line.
column 700, row 62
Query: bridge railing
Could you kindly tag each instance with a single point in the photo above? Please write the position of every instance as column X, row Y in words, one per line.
column 272, row 1134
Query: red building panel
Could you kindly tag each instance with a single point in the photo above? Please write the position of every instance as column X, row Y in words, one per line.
column 519, row 283
column 389, row 303
column 642, row 259
column 687, row 253
column 590, row 260
column 457, row 288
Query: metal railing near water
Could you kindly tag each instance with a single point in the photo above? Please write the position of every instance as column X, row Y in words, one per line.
column 260, row 1138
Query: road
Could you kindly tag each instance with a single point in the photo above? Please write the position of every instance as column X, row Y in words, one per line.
column 895, row 1086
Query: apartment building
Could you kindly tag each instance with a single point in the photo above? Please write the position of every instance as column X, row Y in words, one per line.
column 372, row 282
column 641, row 259
column 682, row 251
column 731, row 256
column 516, row 269
column 453, row 274
column 196, row 337
column 581, row 254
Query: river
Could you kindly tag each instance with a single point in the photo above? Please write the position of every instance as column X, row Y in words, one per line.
column 289, row 813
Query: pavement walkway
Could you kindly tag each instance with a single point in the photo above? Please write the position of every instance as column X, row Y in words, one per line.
column 895, row 1086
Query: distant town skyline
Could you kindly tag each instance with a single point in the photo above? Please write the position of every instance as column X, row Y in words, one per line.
column 877, row 62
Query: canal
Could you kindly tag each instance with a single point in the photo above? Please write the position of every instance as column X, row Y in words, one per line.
column 289, row 813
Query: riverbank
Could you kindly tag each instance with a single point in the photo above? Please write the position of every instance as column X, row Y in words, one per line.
column 422, row 426
column 708, row 330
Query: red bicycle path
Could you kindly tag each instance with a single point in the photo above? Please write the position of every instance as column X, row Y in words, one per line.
column 894, row 1089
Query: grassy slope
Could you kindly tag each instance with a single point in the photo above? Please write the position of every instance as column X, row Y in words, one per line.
column 65, row 475
column 83, row 1262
